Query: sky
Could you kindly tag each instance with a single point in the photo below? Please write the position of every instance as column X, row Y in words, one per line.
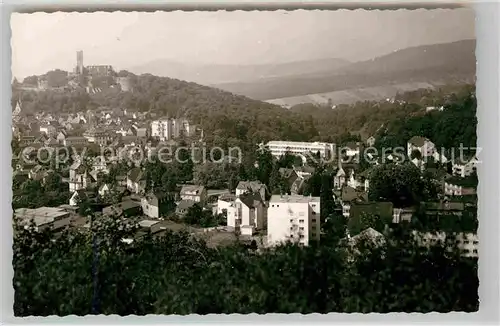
column 45, row 41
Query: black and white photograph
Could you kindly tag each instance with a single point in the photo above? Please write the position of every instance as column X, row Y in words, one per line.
column 238, row 162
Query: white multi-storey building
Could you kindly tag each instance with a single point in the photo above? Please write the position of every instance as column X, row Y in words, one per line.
column 467, row 243
column 293, row 218
column 167, row 129
column 279, row 148
column 246, row 213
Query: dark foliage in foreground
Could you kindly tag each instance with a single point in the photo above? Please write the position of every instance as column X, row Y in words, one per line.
column 177, row 274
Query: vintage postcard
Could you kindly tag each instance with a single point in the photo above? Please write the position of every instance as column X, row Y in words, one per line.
column 235, row 162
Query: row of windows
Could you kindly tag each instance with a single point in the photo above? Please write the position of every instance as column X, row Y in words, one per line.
column 465, row 242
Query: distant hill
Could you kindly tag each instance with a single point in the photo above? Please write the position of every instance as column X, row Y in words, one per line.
column 432, row 64
column 215, row 74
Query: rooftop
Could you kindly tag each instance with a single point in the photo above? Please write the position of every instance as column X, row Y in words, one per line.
column 293, row 199
column 295, row 143
column 418, row 141
column 444, row 206
column 147, row 223
column 41, row 215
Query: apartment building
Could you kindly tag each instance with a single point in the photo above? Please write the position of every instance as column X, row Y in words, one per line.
column 293, row 218
column 467, row 243
column 279, row 148
column 167, row 128
column 246, row 213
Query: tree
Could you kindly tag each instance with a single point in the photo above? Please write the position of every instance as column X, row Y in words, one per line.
column 194, row 215
column 358, row 224
column 232, row 182
column 401, row 184
column 326, row 195
column 53, row 182
column 149, row 276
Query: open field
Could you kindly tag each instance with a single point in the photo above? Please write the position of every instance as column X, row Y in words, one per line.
column 350, row 96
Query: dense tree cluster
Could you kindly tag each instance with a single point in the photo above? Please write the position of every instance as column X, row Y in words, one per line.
column 178, row 274
column 35, row 193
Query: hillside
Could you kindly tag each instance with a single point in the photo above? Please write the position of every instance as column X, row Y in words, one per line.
column 214, row 74
column 227, row 119
column 230, row 120
column 431, row 64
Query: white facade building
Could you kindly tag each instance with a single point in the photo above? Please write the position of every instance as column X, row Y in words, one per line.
column 167, row 129
column 452, row 189
column 467, row 243
column 293, row 218
column 279, row 148
column 465, row 169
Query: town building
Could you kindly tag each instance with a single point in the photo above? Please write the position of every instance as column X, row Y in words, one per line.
column 246, row 213
column 17, row 110
column 244, row 187
column 43, row 218
column 126, row 208
column 402, row 214
column 156, row 205
column 168, row 128
column 465, row 168
column 352, row 149
column 136, row 181
column 456, row 186
column 421, row 144
column 280, row 148
column 183, row 206
column 293, row 218
column 194, row 193
column 467, row 243
column 370, row 141
column 97, row 136
column 79, row 63
column 350, row 196
column 99, row 70
column 48, row 130
column 75, row 141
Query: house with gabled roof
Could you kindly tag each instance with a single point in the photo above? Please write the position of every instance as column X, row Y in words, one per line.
column 61, row 136
column 247, row 213
column 251, row 187
column 352, row 148
column 443, row 208
column 422, row 145
column 370, row 141
column 350, row 196
column 136, row 181
column 194, row 193
column 156, row 204
column 39, row 172
column 126, row 208
column 298, row 186
column 184, row 205
column 81, row 195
